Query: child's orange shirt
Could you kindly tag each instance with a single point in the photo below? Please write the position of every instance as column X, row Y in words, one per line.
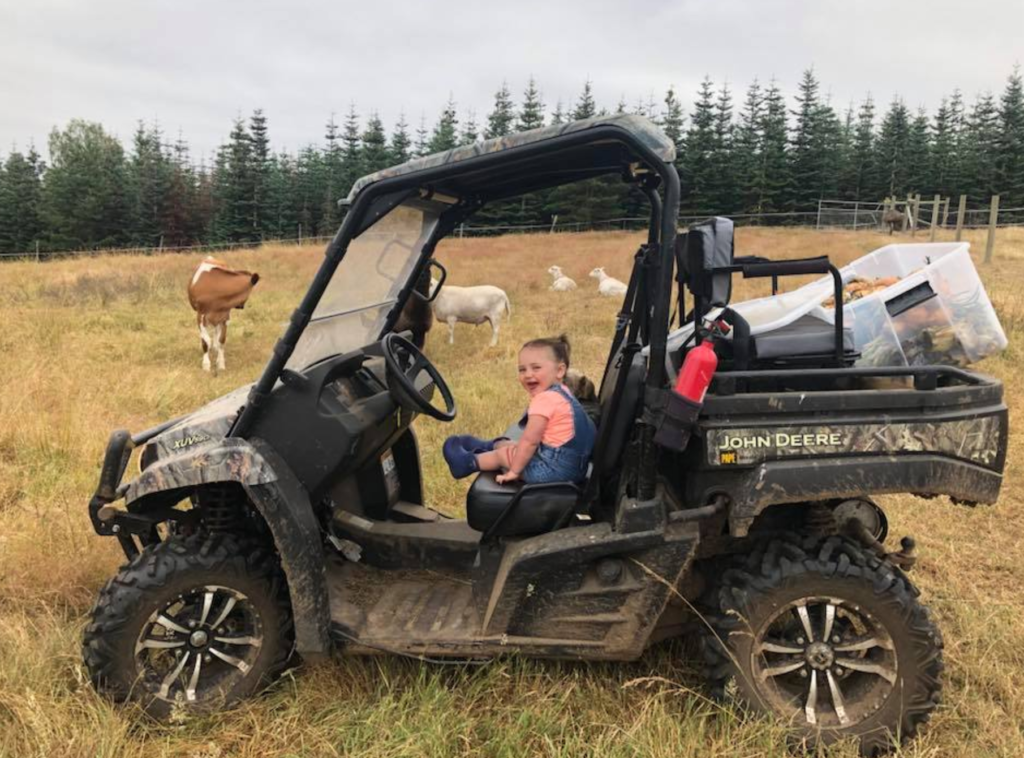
column 557, row 410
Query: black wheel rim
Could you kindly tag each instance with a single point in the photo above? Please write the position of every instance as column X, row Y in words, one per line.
column 825, row 662
column 199, row 644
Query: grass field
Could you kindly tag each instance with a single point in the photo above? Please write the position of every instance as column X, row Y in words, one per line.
column 92, row 344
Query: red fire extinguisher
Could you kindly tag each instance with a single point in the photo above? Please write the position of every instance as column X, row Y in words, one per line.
column 698, row 368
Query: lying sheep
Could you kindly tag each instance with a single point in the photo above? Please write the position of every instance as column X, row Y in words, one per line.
column 470, row 305
column 607, row 285
column 562, row 283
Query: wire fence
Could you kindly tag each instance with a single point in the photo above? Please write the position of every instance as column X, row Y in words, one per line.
column 831, row 214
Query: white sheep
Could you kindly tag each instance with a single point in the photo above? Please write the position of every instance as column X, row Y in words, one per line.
column 562, row 283
column 607, row 285
column 470, row 305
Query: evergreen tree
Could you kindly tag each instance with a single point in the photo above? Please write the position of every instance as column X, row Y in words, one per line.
column 149, row 174
column 401, row 145
column 943, row 151
column 672, row 122
column 698, row 169
column 809, row 157
column 352, row 154
column 891, row 150
column 260, row 168
column 531, row 114
column 832, row 145
column 327, row 173
column 83, row 199
column 747, row 150
column 919, row 178
column 20, row 191
column 278, row 214
column 501, row 118
column 860, row 178
column 234, row 188
column 585, row 107
column 558, row 116
column 445, row 132
column 722, row 186
column 1010, row 143
column 958, row 124
column 375, row 146
column 422, row 138
column 981, row 145
column 314, row 187
column 592, row 200
column 774, row 179
column 469, row 133
column 182, row 222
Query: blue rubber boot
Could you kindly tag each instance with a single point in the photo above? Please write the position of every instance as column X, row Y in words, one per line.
column 460, row 458
column 477, row 445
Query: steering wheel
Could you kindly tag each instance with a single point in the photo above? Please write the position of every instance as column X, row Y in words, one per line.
column 405, row 362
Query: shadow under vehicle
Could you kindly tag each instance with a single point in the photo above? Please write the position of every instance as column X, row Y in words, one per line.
column 289, row 516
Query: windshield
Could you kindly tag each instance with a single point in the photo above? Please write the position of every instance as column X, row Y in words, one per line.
column 366, row 284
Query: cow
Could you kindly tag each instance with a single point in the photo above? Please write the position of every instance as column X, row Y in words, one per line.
column 417, row 315
column 893, row 219
column 212, row 292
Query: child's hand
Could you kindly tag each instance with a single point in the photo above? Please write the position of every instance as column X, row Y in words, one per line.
column 507, row 477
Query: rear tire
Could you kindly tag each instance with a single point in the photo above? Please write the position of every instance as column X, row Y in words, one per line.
column 194, row 623
column 828, row 636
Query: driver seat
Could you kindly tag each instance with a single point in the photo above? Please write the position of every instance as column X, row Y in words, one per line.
column 519, row 509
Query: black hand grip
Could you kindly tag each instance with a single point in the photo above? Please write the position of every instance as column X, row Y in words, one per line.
column 818, row 265
column 115, row 460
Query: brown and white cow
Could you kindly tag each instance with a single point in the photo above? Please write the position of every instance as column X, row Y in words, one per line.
column 212, row 292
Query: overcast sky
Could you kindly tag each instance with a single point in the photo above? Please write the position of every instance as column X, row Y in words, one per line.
column 194, row 66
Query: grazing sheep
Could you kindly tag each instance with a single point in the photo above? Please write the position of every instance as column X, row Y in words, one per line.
column 607, row 285
column 562, row 283
column 470, row 305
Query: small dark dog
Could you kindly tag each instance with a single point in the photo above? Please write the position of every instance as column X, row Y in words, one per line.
column 580, row 386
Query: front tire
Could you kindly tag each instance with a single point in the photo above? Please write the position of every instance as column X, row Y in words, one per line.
column 828, row 636
column 194, row 623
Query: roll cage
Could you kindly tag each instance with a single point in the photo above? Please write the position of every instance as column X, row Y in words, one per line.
column 467, row 179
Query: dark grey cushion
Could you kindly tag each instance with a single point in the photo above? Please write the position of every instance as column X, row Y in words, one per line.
column 808, row 335
column 540, row 507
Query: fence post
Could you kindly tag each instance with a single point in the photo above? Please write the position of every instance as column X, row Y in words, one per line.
column 908, row 219
column 300, row 234
column 817, row 224
column 917, row 215
column 462, row 230
column 945, row 213
column 935, row 216
column 37, row 251
column 961, row 211
column 554, row 222
column 993, row 216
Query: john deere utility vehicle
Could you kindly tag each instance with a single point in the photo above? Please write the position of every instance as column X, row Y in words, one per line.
column 290, row 517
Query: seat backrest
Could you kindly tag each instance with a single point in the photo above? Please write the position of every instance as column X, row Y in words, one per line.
column 707, row 252
column 617, row 417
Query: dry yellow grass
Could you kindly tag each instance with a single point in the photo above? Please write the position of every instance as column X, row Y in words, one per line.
column 92, row 344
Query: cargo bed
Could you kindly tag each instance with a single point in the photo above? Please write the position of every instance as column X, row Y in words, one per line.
column 770, row 437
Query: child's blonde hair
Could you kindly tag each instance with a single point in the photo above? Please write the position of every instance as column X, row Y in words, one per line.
column 559, row 346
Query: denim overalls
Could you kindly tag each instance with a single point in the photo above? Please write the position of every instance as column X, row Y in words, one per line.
column 567, row 463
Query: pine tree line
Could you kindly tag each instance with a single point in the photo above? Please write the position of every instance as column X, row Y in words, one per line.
column 758, row 156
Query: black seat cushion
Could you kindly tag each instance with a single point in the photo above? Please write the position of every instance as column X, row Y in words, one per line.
column 540, row 507
column 807, row 335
